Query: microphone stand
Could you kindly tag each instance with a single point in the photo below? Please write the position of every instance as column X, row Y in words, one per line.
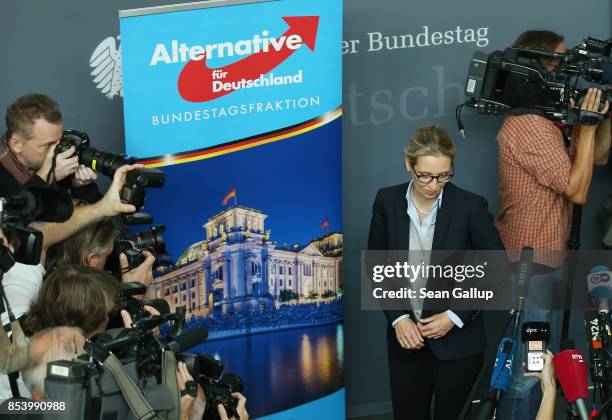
column 603, row 321
column 491, row 401
column 572, row 245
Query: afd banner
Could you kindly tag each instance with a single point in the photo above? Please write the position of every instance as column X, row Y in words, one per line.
column 239, row 104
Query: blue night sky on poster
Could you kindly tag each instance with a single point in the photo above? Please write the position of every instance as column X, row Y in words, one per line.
column 295, row 181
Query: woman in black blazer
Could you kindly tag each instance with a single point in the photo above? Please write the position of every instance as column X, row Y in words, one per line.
column 432, row 352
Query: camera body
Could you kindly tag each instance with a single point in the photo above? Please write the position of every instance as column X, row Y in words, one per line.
column 135, row 183
column 218, row 388
column 46, row 204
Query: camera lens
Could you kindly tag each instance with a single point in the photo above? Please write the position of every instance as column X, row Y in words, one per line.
column 150, row 239
column 104, row 162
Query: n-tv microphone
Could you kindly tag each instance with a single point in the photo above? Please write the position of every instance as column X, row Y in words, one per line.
column 500, row 378
column 571, row 371
column 599, row 285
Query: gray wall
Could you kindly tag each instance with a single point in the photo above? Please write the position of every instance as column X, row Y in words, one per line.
column 385, row 95
column 47, row 45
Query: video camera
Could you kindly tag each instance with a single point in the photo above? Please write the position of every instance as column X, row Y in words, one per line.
column 94, row 384
column 107, row 163
column 45, row 204
column 516, row 79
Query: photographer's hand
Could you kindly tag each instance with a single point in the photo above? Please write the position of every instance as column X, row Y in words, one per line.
column 65, row 164
column 111, row 204
column 83, row 176
column 141, row 274
column 127, row 318
column 43, row 171
column 549, row 388
column 240, row 408
column 187, row 386
column 5, row 242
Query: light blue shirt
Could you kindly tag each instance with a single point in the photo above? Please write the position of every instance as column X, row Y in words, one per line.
column 422, row 227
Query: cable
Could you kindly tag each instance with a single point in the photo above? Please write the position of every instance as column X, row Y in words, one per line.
column 458, row 110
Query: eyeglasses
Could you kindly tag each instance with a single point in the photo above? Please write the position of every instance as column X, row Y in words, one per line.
column 425, row 179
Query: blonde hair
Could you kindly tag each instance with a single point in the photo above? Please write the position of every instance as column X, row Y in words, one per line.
column 431, row 140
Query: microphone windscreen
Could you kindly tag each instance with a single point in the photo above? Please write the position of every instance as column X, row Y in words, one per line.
column 47, row 204
column 571, row 371
column 188, row 339
column 525, row 269
column 567, row 344
column 606, row 75
column 500, row 377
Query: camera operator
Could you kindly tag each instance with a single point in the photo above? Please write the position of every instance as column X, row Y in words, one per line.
column 75, row 296
column 540, row 178
column 50, row 345
column 33, row 128
column 193, row 406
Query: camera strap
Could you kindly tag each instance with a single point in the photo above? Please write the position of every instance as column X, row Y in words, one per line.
column 170, row 380
column 139, row 406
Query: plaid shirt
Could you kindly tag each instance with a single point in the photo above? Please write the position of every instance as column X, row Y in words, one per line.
column 534, row 169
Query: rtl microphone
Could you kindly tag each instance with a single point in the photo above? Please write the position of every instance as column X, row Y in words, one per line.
column 535, row 336
column 500, row 378
column 571, row 371
column 600, row 287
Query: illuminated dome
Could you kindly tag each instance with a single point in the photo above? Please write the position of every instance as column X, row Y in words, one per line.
column 192, row 253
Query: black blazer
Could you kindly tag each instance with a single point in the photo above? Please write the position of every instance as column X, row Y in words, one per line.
column 463, row 222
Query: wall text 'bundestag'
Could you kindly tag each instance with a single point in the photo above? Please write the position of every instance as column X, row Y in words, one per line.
column 379, row 41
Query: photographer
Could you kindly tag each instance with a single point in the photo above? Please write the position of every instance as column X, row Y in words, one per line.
column 33, row 128
column 93, row 246
column 540, row 178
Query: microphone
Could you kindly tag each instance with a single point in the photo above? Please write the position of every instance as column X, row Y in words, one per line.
column 525, row 269
column 188, row 339
column 571, row 371
column 596, row 352
column 600, row 287
column 500, row 378
column 535, row 335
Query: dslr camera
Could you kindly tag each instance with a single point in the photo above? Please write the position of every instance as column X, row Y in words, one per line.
column 107, row 163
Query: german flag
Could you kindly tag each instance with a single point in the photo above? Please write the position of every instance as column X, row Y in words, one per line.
column 325, row 225
column 230, row 194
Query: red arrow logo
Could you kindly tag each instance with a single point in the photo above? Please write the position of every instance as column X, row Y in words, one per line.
column 196, row 79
